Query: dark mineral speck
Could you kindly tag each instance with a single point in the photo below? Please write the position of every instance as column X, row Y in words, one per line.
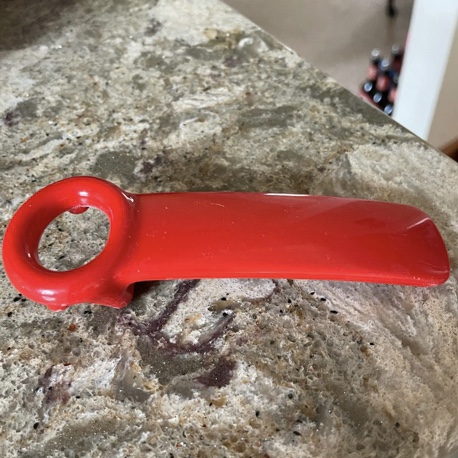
column 220, row 375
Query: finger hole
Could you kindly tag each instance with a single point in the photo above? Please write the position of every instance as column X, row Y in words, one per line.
column 73, row 239
column 78, row 210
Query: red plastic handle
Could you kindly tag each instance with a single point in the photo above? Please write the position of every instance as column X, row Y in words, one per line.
column 221, row 235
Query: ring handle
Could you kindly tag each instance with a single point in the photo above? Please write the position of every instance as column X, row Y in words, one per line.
column 93, row 282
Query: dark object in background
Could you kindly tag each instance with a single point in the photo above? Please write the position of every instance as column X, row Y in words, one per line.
column 391, row 97
column 368, row 87
column 397, row 55
column 381, row 82
column 380, row 97
column 391, row 10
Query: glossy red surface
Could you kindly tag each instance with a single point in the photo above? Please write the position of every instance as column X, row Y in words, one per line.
column 215, row 235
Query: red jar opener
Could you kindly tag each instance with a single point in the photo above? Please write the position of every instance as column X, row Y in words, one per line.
column 221, row 235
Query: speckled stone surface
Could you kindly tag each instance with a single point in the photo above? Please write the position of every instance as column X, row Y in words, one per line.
column 181, row 95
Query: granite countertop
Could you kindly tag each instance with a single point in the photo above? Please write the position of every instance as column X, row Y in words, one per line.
column 186, row 95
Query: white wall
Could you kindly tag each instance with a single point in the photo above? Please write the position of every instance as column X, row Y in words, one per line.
column 427, row 99
column 444, row 127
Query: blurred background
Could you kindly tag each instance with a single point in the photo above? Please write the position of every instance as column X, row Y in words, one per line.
column 417, row 84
